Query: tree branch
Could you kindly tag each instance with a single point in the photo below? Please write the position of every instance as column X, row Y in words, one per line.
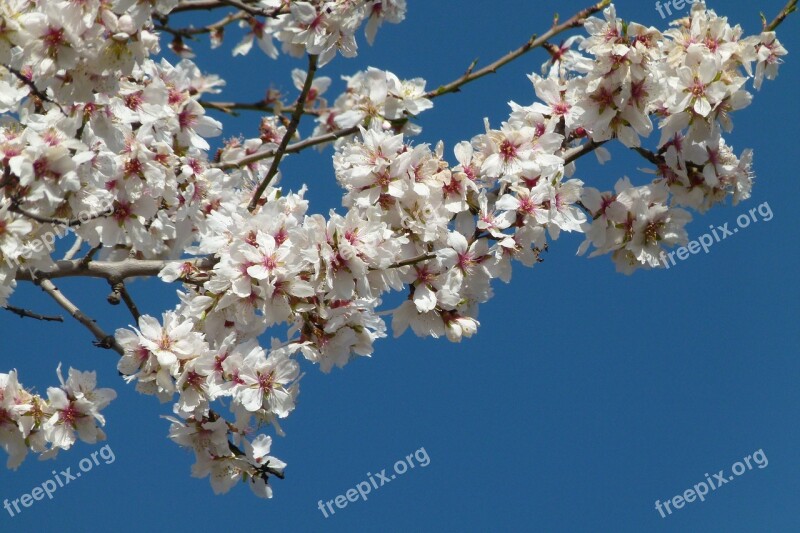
column 216, row 4
column 24, row 313
column 120, row 293
column 15, row 207
column 533, row 42
column 76, row 247
column 110, row 270
column 262, row 106
column 196, row 6
column 190, row 32
column 790, row 7
column 412, row 261
column 255, row 11
column 38, row 93
column 291, row 149
column 103, row 340
column 647, row 154
column 290, row 130
column 579, row 151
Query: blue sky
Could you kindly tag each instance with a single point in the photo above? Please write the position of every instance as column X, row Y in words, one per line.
column 586, row 396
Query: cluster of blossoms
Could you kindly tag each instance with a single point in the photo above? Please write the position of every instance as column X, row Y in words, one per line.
column 376, row 99
column 73, row 48
column 172, row 358
column 125, row 170
column 318, row 27
column 690, row 78
column 45, row 426
column 112, row 144
column 117, row 151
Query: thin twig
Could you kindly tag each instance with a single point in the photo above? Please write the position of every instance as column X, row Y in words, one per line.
column 38, row 93
column 16, row 208
column 790, row 7
column 197, row 6
column 262, row 106
column 533, row 42
column 191, row 32
column 131, row 305
column 265, row 468
column 24, row 313
column 580, row 151
column 76, row 247
column 255, row 11
column 120, row 293
column 412, row 261
column 86, row 259
column 647, row 154
column 290, row 130
column 103, row 340
column 291, row 149
column 217, row 4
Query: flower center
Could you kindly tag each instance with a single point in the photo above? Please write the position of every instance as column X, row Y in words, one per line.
column 508, row 150
column 561, row 108
column 53, row 38
column 69, row 415
column 651, row 232
column 266, row 381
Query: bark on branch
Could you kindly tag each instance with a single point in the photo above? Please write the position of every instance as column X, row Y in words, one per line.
column 110, row 270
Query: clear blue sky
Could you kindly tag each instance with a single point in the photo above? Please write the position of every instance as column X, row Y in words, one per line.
column 586, row 396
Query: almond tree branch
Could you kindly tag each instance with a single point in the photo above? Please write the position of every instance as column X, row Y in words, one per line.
column 90, row 254
column 290, row 130
column 247, row 7
column 15, row 207
column 650, row 156
column 76, row 247
column 110, row 270
column 412, row 261
column 252, row 10
column 38, row 93
column 129, row 303
column 197, row 6
column 262, row 106
column 790, row 7
column 190, row 32
column 291, row 149
column 579, row 151
column 534, row 42
column 120, row 293
column 103, row 340
column 24, row 313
